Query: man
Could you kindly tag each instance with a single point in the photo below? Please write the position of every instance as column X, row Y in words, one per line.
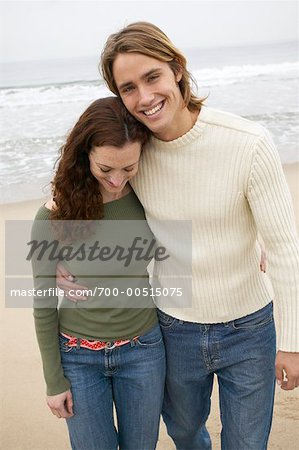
column 223, row 173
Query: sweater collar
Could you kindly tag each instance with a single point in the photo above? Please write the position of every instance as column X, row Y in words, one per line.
column 187, row 138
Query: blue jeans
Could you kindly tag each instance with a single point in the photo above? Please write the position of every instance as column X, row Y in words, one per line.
column 132, row 378
column 242, row 355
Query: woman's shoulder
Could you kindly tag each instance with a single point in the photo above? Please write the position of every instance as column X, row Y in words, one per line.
column 43, row 213
column 50, row 204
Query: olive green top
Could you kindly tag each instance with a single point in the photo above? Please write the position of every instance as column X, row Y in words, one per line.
column 119, row 304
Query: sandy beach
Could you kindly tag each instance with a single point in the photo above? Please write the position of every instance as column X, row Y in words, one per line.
column 26, row 422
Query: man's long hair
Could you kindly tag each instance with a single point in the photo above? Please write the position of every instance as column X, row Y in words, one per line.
column 147, row 39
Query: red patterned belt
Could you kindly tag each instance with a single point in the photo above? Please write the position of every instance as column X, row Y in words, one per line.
column 95, row 345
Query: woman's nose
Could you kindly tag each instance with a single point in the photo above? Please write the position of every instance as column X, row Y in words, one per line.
column 116, row 180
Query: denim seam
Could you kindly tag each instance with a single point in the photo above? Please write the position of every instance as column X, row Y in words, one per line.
column 253, row 326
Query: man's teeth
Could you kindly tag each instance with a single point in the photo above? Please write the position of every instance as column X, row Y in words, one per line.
column 153, row 110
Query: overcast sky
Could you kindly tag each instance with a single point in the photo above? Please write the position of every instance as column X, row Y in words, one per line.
column 33, row 30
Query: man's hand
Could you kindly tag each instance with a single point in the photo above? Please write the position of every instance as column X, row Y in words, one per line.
column 287, row 370
column 66, row 281
column 61, row 405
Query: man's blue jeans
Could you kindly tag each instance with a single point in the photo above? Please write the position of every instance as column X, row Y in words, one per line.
column 132, row 377
column 242, row 355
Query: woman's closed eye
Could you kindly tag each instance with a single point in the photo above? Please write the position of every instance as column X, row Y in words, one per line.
column 109, row 170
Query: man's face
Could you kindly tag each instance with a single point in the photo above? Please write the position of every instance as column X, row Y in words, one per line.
column 149, row 90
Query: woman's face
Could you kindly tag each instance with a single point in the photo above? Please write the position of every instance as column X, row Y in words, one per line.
column 113, row 167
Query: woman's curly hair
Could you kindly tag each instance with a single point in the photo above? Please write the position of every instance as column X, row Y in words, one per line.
column 75, row 190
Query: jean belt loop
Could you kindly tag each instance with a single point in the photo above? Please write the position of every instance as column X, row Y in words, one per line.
column 133, row 342
column 78, row 343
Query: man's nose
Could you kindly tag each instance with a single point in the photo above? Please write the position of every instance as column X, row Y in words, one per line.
column 145, row 96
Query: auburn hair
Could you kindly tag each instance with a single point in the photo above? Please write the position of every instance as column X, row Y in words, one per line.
column 75, row 190
column 147, row 39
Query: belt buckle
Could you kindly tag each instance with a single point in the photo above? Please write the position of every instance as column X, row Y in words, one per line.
column 110, row 345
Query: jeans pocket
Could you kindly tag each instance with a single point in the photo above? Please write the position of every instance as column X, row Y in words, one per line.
column 63, row 344
column 255, row 320
column 165, row 320
column 151, row 338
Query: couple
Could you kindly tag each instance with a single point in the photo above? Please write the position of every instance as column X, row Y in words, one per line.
column 223, row 173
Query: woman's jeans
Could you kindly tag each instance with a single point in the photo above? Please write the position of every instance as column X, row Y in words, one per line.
column 242, row 355
column 132, row 378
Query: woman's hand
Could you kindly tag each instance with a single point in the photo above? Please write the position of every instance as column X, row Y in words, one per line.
column 66, row 282
column 263, row 261
column 61, row 405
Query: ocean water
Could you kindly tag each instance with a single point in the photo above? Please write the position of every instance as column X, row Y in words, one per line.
column 40, row 101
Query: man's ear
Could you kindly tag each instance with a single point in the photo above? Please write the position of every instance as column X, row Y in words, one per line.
column 179, row 74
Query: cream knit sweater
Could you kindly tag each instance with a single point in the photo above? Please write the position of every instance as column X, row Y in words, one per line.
column 225, row 175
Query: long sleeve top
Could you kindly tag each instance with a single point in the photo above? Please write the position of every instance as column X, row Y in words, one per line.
column 119, row 305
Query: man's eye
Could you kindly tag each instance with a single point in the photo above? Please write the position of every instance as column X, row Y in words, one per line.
column 127, row 89
column 153, row 77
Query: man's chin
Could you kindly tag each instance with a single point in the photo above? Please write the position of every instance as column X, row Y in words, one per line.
column 141, row 119
column 154, row 127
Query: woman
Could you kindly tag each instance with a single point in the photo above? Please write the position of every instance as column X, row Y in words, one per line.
column 110, row 351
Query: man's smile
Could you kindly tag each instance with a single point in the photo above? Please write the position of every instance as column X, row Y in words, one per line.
column 155, row 109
